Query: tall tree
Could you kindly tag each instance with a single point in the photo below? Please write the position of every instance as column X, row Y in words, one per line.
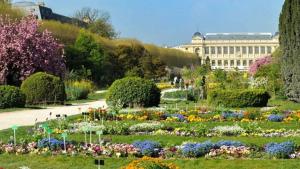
column 289, row 27
column 24, row 50
column 98, row 22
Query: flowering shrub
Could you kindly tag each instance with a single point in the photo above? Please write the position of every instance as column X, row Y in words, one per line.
column 24, row 50
column 259, row 63
column 196, row 149
column 149, row 163
column 146, row 127
column 280, row 150
column 227, row 130
column 275, row 118
column 147, row 148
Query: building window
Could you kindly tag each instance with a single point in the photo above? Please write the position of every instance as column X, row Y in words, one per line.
column 213, row 50
column 231, row 50
column 225, row 50
column 206, row 50
column 269, row 49
column 213, row 63
column 263, row 50
column 244, row 62
column 232, row 63
column 250, row 50
column 219, row 62
column 219, row 50
column 244, row 50
column 256, row 50
column 237, row 49
column 238, row 63
column 225, row 62
column 250, row 62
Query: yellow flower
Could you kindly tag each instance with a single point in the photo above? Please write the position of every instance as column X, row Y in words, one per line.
column 245, row 120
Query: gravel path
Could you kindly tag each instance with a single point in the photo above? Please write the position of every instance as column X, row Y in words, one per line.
column 28, row 117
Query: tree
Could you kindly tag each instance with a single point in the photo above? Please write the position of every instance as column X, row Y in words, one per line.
column 259, row 63
column 24, row 50
column 87, row 58
column 137, row 61
column 289, row 27
column 98, row 22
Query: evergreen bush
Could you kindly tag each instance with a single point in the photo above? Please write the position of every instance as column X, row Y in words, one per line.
column 133, row 92
column 10, row 97
column 43, row 88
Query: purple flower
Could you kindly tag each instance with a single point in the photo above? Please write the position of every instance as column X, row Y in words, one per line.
column 148, row 148
column 196, row 149
column 275, row 118
column 280, row 150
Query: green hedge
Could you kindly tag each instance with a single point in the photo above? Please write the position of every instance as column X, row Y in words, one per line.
column 191, row 95
column 133, row 92
column 11, row 97
column 43, row 88
column 239, row 98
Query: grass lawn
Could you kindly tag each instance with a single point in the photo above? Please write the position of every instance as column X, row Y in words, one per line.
column 63, row 162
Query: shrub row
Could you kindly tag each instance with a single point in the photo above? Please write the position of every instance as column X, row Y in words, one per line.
column 239, row 98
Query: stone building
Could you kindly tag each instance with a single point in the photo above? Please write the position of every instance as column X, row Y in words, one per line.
column 44, row 13
column 230, row 51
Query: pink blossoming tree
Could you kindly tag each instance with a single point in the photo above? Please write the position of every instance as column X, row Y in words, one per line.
column 25, row 50
column 259, row 63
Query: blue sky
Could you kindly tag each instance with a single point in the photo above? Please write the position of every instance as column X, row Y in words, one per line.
column 172, row 22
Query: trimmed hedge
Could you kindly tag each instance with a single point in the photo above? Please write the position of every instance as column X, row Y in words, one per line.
column 190, row 95
column 11, row 97
column 133, row 92
column 43, row 88
column 239, row 98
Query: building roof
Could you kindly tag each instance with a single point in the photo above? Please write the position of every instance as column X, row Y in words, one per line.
column 197, row 34
column 24, row 3
column 238, row 36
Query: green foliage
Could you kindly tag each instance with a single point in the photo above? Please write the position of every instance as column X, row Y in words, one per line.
column 43, row 88
column 77, row 90
column 87, row 55
column 132, row 92
column 239, row 98
column 11, row 97
column 137, row 61
column 228, row 79
column 190, row 95
column 289, row 27
column 173, row 57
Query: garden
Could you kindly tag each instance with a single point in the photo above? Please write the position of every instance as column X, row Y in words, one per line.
column 165, row 109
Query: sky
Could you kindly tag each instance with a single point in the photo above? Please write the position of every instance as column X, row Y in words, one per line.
column 173, row 22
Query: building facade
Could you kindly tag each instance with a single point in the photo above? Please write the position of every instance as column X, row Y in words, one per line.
column 44, row 13
column 230, row 51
